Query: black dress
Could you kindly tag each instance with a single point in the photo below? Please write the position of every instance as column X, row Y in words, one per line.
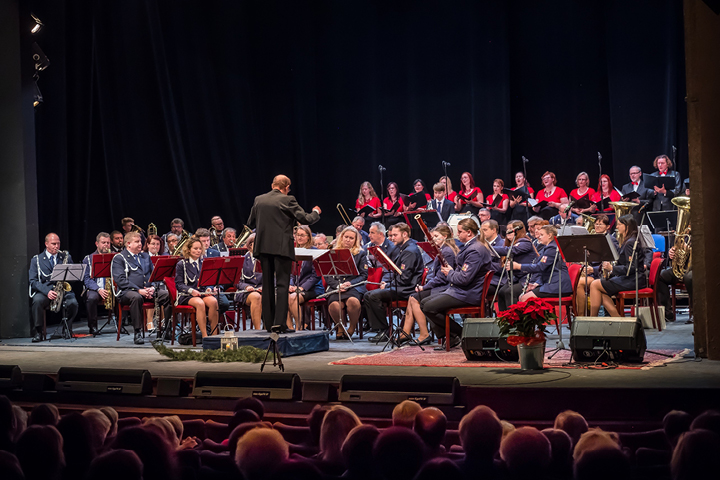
column 622, row 277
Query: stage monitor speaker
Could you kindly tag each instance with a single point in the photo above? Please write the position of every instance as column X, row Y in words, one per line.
column 10, row 377
column 607, row 338
column 395, row 389
column 104, row 380
column 265, row 386
column 172, row 387
column 481, row 340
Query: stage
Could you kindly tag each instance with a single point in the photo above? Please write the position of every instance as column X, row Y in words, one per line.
column 610, row 395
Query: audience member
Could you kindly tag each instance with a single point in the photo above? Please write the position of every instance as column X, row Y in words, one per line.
column 357, row 449
column 695, row 455
column 708, row 420
column 44, row 414
column 259, row 452
column 154, row 451
column 430, row 425
column 116, row 465
column 595, row 439
column 572, row 423
column 250, row 403
column 439, row 468
column 480, row 436
column 675, row 423
column 112, row 415
column 242, row 416
column 314, row 421
column 336, row 426
column 10, row 466
column 40, row 452
column 561, row 453
column 21, row 419
column 526, row 452
column 8, row 424
column 602, row 464
column 403, row 414
column 164, row 428
column 297, row 469
column 398, row 454
column 507, row 427
column 78, row 444
column 100, row 425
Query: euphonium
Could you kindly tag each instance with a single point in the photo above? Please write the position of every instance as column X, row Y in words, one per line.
column 683, row 245
column 622, row 208
column 244, row 235
column 184, row 237
column 589, row 223
column 60, row 289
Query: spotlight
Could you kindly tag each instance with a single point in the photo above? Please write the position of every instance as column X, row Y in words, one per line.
column 38, row 24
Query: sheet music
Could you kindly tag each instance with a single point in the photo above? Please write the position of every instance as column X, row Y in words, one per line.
column 309, row 253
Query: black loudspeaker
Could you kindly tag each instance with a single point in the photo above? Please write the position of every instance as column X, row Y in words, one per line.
column 481, row 341
column 10, row 377
column 172, row 387
column 395, row 389
column 266, row 386
column 606, row 338
column 104, row 380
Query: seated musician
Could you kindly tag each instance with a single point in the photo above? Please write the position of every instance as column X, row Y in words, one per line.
column 378, row 239
column 209, row 252
column 95, row 290
column 307, row 284
column 548, row 271
column 351, row 296
column 500, row 202
column 187, row 276
column 153, row 245
column 131, row 271
column 128, row 225
column 533, row 223
column 564, row 216
column 171, row 241
column 320, row 241
column 216, row 229
column 443, row 206
column 594, row 270
column 490, row 229
column 228, row 237
column 470, row 197
column 605, row 191
column 622, row 275
column 419, row 186
column 523, row 252
column 552, row 194
column 177, row 226
column 466, row 282
column 42, row 289
column 583, row 188
column 393, row 197
column 442, row 236
column 667, row 278
column 359, row 223
column 250, row 286
column 367, row 197
column 409, row 260
column 520, row 209
column 117, row 241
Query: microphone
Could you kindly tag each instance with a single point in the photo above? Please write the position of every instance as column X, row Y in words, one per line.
column 599, row 156
column 381, row 168
column 525, row 160
column 569, row 206
column 445, row 164
column 515, row 229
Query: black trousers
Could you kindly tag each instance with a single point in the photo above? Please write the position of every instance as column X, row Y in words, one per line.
column 40, row 303
column 276, row 284
column 92, row 300
column 135, row 301
column 434, row 308
column 375, row 302
column 504, row 294
column 666, row 279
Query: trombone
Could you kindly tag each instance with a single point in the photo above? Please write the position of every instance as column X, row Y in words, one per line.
column 343, row 214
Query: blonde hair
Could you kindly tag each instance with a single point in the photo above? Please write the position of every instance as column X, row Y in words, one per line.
column 336, row 425
column 355, row 249
column 361, row 199
column 447, row 232
column 448, row 184
column 188, row 245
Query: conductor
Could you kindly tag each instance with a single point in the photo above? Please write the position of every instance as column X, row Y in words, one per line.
column 274, row 214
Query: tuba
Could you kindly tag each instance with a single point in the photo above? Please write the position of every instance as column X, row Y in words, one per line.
column 60, row 288
column 588, row 223
column 244, row 235
column 622, row 208
column 682, row 260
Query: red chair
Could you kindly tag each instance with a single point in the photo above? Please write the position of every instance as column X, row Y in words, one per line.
column 569, row 301
column 479, row 310
column 649, row 293
column 126, row 308
column 183, row 310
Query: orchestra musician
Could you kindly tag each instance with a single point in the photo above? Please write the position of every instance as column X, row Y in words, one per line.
column 520, row 209
column 171, row 241
column 583, row 188
column 127, row 226
column 441, row 204
column 605, row 191
column 117, row 242
column 153, row 245
column 187, row 276
column 466, row 282
column 367, row 197
column 594, row 270
column 209, row 252
column 667, row 278
column 409, row 260
column 320, row 241
column 378, row 239
column 216, row 228
column 419, row 186
column 524, row 253
column 662, row 196
column 393, row 197
column 450, row 194
column 177, row 226
column 42, row 289
column 499, row 202
column 306, row 285
column 484, row 215
column 636, row 186
column 227, row 241
column 359, row 223
column 131, row 271
column 622, row 275
column 470, row 197
column 552, row 194
column 350, row 296
column 250, row 286
column 533, row 223
column 565, row 215
column 548, row 271
column 95, row 290
column 490, row 229
column 442, row 236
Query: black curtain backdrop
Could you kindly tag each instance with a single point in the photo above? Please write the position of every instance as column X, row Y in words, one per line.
column 161, row 109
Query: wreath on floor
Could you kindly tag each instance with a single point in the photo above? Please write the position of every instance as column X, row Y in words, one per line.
column 245, row 353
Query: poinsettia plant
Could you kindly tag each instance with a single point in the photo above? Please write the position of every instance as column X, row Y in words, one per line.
column 525, row 322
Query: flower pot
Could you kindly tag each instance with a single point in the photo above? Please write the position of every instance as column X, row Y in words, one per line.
column 531, row 357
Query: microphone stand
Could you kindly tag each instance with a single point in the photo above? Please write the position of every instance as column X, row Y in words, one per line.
column 382, row 190
column 527, row 204
column 600, row 163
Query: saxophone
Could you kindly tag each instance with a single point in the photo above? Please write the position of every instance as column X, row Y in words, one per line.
column 683, row 246
column 60, row 289
column 110, row 300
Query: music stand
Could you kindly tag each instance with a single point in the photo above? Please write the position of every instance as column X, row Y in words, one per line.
column 163, row 266
column 67, row 272
column 390, row 266
column 240, row 251
column 665, row 218
column 100, row 267
column 218, row 271
column 303, row 255
column 337, row 263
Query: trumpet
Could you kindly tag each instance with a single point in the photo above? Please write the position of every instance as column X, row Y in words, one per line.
column 244, row 235
column 343, row 214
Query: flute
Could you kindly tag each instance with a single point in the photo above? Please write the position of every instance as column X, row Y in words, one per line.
column 425, row 230
column 348, row 288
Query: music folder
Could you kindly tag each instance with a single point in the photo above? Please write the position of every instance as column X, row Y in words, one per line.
column 427, row 248
column 629, row 197
column 366, row 210
column 220, row 271
column 520, row 192
column 384, row 260
column 395, row 207
column 418, row 198
column 652, row 181
column 535, row 203
column 100, row 264
column 603, row 204
column 583, row 202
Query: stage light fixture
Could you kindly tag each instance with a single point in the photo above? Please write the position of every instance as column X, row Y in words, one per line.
column 38, row 24
column 41, row 60
column 37, row 96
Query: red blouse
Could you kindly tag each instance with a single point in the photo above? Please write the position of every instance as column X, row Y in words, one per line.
column 614, row 197
column 473, row 194
column 374, row 202
column 590, row 193
column 452, row 196
column 389, row 203
column 558, row 194
column 491, row 199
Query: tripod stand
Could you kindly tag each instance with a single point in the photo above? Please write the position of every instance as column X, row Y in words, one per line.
column 277, row 361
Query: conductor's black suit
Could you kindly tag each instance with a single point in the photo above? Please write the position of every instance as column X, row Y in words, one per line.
column 274, row 214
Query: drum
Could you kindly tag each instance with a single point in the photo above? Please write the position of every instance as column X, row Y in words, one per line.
column 455, row 219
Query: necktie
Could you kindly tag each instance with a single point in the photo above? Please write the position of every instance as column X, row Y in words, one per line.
column 137, row 259
column 635, row 183
column 52, row 261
